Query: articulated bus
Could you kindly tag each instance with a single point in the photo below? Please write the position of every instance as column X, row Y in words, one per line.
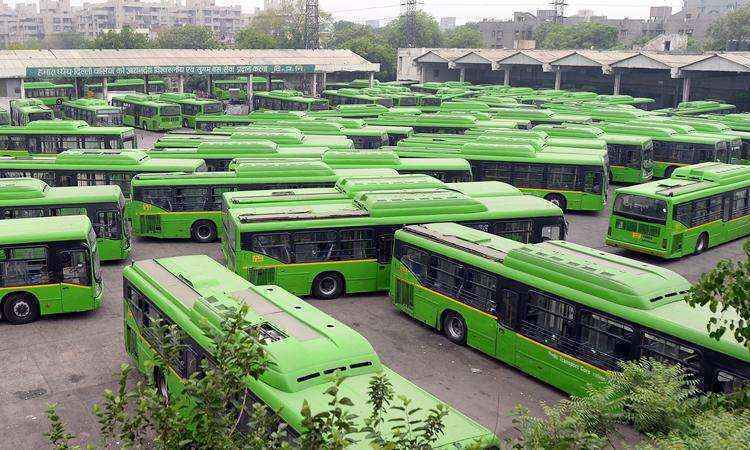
column 235, row 90
column 51, row 94
column 284, row 137
column 93, row 167
column 48, row 265
column 344, row 246
column 304, row 346
column 192, row 107
column 55, row 136
column 673, row 149
column 700, row 206
column 188, row 205
column 631, row 158
column 96, row 112
column 148, row 113
column 563, row 313
column 127, row 85
column 25, row 110
column 288, row 101
column 219, row 155
column 572, row 181
column 22, row 198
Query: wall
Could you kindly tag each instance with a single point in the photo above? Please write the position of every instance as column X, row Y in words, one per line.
column 405, row 67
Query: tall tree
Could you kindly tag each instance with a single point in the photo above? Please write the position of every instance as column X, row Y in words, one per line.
column 286, row 25
column 465, row 36
column 427, row 34
column 254, row 38
column 588, row 35
column 123, row 39
column 734, row 26
column 67, row 40
column 187, row 36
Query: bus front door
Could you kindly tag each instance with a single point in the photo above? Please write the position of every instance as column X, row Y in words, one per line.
column 385, row 250
column 76, row 292
column 505, row 343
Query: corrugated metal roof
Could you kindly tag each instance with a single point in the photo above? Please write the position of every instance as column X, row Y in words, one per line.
column 13, row 64
column 446, row 54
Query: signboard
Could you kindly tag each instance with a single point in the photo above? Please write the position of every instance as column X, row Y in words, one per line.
column 121, row 71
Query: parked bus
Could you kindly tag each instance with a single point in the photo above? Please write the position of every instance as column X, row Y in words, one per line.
column 673, row 149
column 148, row 113
column 365, row 137
column 127, row 85
column 350, row 96
column 304, row 345
column 48, row 265
column 188, row 205
column 563, row 313
column 192, row 107
column 104, row 205
column 235, row 90
column 450, row 170
column 95, row 112
column 25, row 110
column 51, row 94
column 574, row 182
column 4, row 117
column 700, row 206
column 288, row 101
column 55, row 136
column 284, row 137
column 93, row 167
column 330, row 248
column 207, row 124
column 438, row 123
column 219, row 155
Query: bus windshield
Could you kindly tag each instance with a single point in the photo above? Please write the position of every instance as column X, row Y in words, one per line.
column 170, row 110
column 641, row 207
column 212, row 108
column 95, row 261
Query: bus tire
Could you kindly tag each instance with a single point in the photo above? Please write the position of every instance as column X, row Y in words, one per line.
column 558, row 200
column 454, row 327
column 668, row 171
column 701, row 244
column 203, row 231
column 20, row 308
column 160, row 381
column 328, row 285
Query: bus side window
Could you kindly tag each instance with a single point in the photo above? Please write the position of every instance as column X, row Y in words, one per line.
column 671, row 352
column 604, row 341
column 741, row 203
column 508, row 308
column 548, row 320
column 728, row 382
column 414, row 259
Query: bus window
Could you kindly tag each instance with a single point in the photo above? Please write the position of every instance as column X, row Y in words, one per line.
column 604, row 341
column 107, row 224
column 273, row 245
column 24, row 266
column 311, row 246
column 75, row 267
column 552, row 232
column 671, row 352
column 547, row 320
column 518, row 230
column 727, row 382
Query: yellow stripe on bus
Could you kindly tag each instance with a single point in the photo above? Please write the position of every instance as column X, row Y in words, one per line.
column 310, row 263
column 448, row 298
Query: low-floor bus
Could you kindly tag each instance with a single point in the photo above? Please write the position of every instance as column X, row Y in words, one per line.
column 25, row 110
column 147, row 112
column 52, row 94
column 192, row 106
column 96, row 112
column 284, row 100
column 55, row 136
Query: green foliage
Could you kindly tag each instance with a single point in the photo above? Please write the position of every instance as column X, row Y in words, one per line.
column 286, row 26
column 366, row 42
column 254, row 38
column 33, row 44
column 587, row 35
column 734, row 26
column 187, row 36
column 726, row 290
column 712, row 430
column 67, row 40
column 57, row 436
column 124, row 39
column 427, row 34
column 465, row 36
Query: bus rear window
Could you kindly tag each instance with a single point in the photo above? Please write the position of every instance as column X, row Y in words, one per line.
column 212, row 108
column 641, row 207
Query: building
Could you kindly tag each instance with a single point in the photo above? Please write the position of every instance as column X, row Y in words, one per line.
column 447, row 23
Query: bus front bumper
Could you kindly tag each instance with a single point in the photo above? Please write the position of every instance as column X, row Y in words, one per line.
column 637, row 248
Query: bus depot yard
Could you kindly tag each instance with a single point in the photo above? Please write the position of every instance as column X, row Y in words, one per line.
column 432, row 150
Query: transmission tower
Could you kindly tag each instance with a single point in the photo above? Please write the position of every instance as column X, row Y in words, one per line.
column 559, row 7
column 409, row 9
column 312, row 25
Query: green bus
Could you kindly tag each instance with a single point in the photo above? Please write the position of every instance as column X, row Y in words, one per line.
column 4, row 117
column 449, row 170
column 25, row 110
column 55, row 136
column 207, row 124
column 330, row 248
column 700, row 206
column 572, row 181
column 219, row 155
column 698, row 107
column 630, row 156
column 287, row 100
column 304, row 346
column 673, row 149
column 127, row 85
column 96, row 112
column 50, row 93
column 286, row 137
column 561, row 312
column 369, row 110
column 365, row 137
column 351, row 96
column 439, row 123
column 22, row 198
column 147, row 112
column 192, row 106
column 93, row 167
column 188, row 205
column 235, row 90
column 48, row 265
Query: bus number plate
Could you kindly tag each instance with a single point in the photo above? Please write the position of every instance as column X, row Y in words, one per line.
column 637, row 235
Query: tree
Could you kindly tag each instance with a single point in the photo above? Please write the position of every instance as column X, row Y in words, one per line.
column 587, row 35
column 254, row 38
column 725, row 290
column 367, row 43
column 67, row 40
column 187, row 36
column 427, row 34
column 123, row 39
column 465, row 36
column 734, row 26
column 286, row 25
column 216, row 410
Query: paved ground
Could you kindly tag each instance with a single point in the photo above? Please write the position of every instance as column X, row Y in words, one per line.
column 71, row 359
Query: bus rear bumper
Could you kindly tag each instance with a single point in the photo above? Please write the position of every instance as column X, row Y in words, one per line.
column 638, row 248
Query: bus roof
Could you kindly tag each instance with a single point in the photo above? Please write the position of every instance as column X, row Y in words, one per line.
column 380, row 158
column 690, row 182
column 28, row 191
column 113, row 159
column 44, row 229
column 643, row 293
column 75, row 127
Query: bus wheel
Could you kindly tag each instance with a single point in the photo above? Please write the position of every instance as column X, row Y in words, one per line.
column 702, row 244
column 161, row 384
column 203, row 231
column 454, row 327
column 557, row 200
column 668, row 172
column 328, row 285
column 20, row 308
